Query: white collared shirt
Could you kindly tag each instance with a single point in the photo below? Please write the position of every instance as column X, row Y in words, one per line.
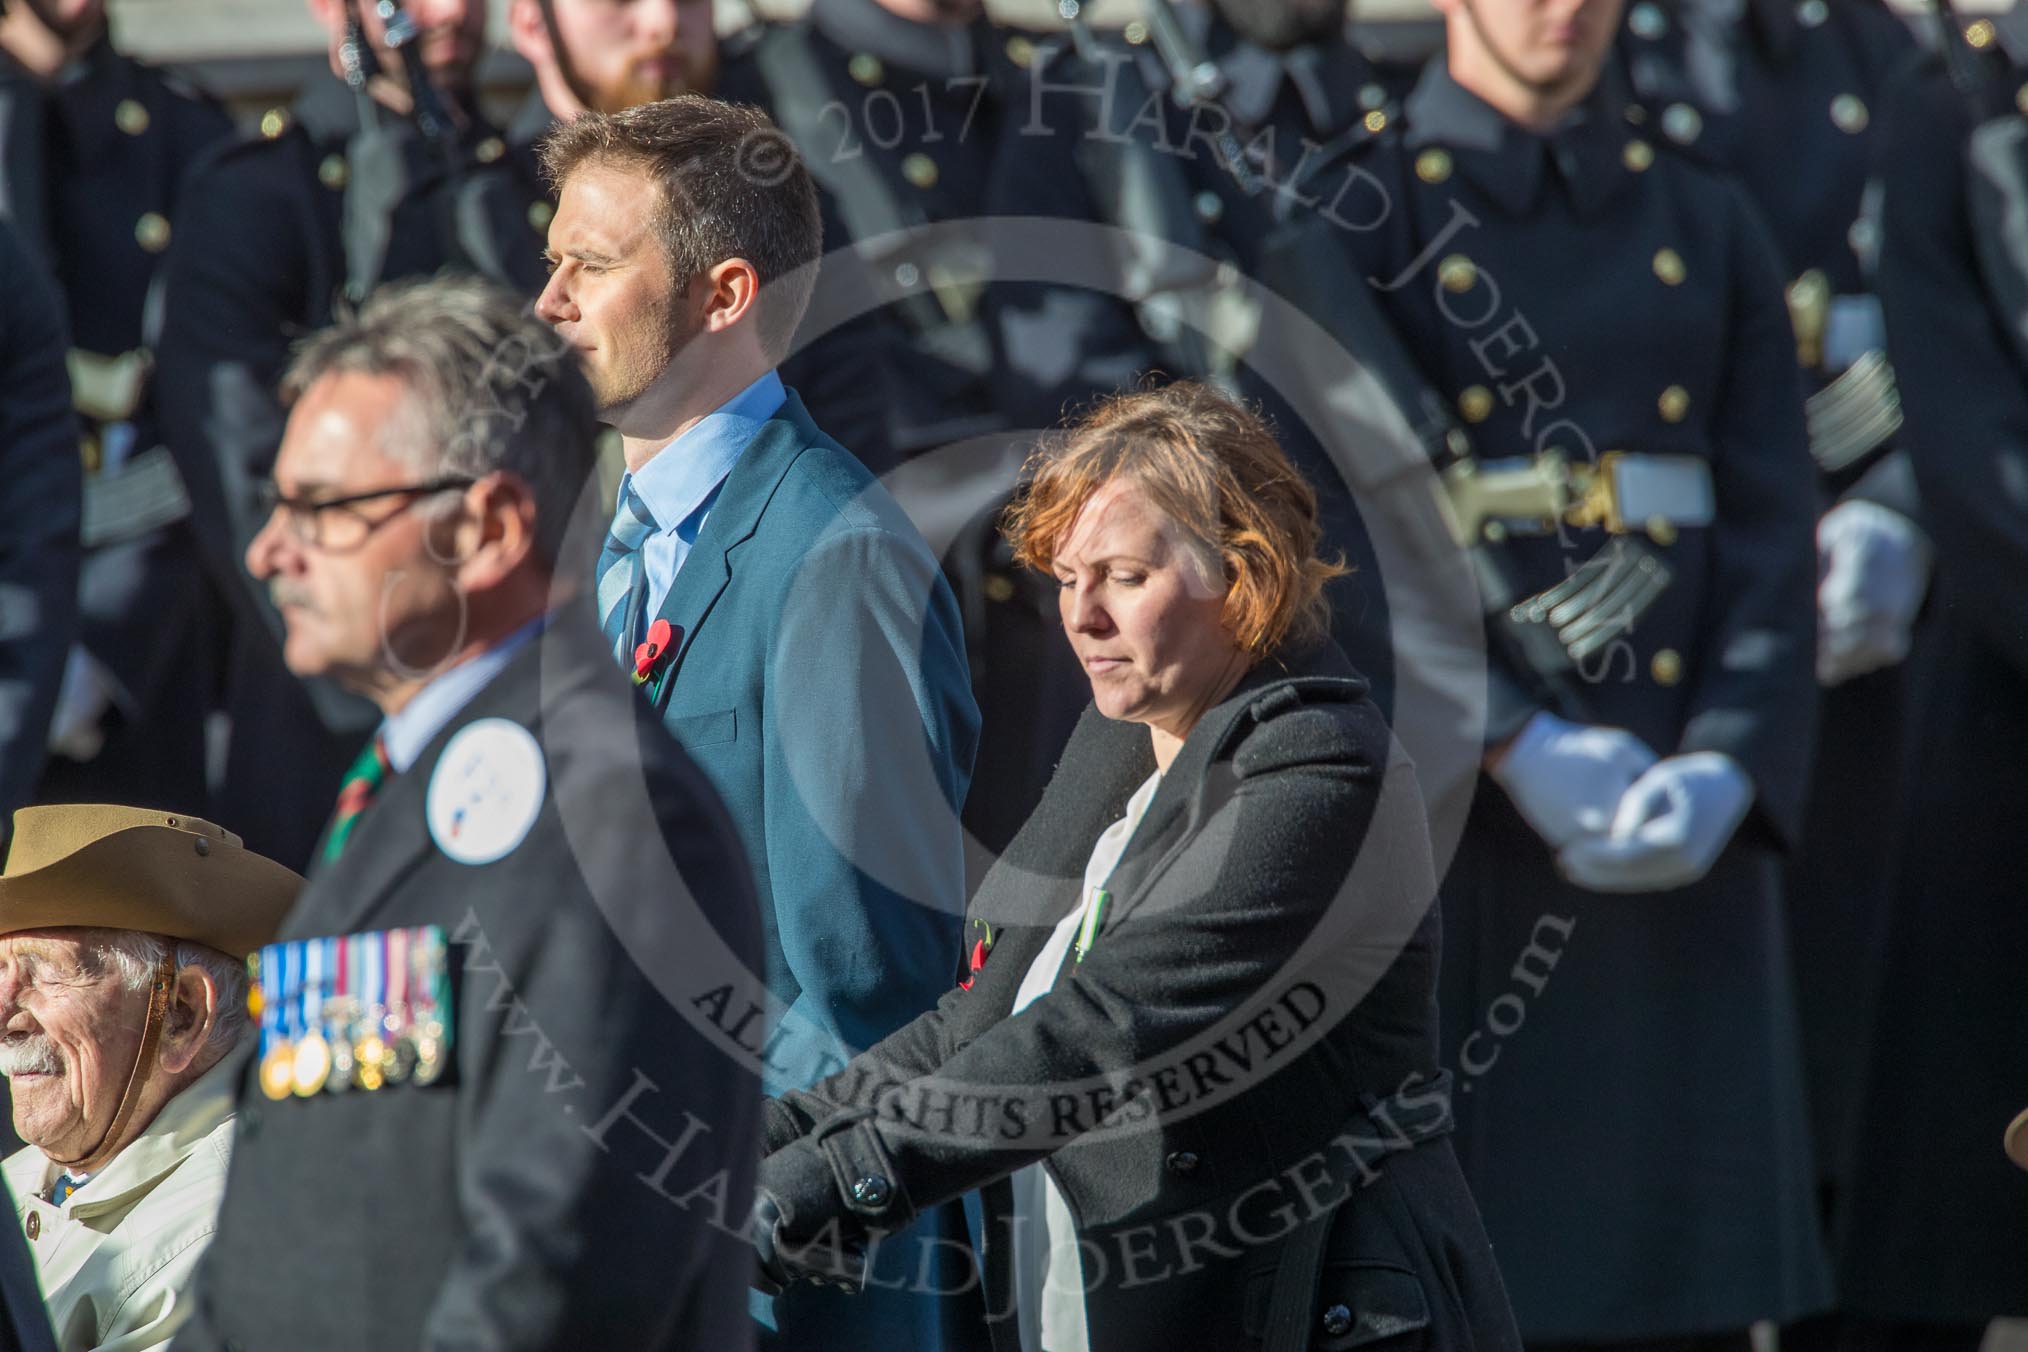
column 1048, row 1270
column 116, row 1259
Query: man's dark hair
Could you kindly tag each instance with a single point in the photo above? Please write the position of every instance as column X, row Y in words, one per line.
column 490, row 388
column 732, row 184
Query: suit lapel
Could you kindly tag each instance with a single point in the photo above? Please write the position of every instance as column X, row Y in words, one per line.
column 393, row 839
column 733, row 519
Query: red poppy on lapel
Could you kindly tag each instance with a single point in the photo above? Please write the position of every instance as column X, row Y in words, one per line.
column 649, row 656
column 980, row 948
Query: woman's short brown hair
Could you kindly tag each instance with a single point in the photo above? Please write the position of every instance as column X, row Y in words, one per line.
column 1212, row 466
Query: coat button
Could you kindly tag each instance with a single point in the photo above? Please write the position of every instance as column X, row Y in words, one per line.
column 1183, row 1162
column 872, row 1190
column 866, row 68
column 1848, row 114
column 1337, row 1321
column 1667, row 667
column 33, row 1225
column 1669, row 267
column 131, row 117
column 1681, row 123
column 151, row 232
column 1475, row 402
column 1458, row 274
column 1674, row 404
column 1638, row 155
column 1433, row 165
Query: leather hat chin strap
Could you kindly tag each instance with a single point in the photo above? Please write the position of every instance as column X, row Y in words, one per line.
column 151, row 1042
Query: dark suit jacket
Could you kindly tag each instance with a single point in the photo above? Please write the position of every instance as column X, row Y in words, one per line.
column 560, row 1186
column 23, row 1325
column 820, row 683
column 1264, row 971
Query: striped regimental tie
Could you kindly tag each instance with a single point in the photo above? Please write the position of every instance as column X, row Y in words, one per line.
column 623, row 574
column 362, row 783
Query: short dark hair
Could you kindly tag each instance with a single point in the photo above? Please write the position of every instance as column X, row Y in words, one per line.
column 490, row 388
column 733, row 186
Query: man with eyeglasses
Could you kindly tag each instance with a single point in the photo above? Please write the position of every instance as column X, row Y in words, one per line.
column 484, row 1112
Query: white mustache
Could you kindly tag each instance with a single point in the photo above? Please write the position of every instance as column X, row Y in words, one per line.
column 30, row 1056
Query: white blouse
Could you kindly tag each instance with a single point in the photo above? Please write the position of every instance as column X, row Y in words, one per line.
column 1048, row 1278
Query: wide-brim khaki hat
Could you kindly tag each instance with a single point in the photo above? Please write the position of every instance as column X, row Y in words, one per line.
column 2017, row 1139
column 133, row 869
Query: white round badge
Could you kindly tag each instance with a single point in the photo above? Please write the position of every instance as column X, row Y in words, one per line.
column 486, row 791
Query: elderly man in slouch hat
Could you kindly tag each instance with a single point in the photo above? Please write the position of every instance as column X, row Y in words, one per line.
column 123, row 943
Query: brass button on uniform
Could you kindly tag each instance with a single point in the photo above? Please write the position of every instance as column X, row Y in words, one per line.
column 152, row 231
column 1376, row 121
column 1669, row 267
column 1458, row 274
column 1021, row 51
column 333, row 173
column 919, row 169
column 1848, row 114
column 1681, row 123
column 33, row 1225
column 1637, row 155
column 489, row 150
column 1661, row 530
column 1980, row 33
column 540, row 213
column 1667, row 667
column 1636, row 114
column 1136, row 33
column 274, row 122
column 1674, row 404
column 131, row 116
column 1433, row 165
column 999, row 588
column 1476, row 403
column 865, row 67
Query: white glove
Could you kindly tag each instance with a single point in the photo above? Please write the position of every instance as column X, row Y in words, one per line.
column 1875, row 564
column 1567, row 778
column 81, row 704
column 1669, row 829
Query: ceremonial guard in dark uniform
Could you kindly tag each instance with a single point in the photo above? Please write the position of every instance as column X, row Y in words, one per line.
column 1786, row 96
column 1933, row 1245
column 1595, row 322
column 40, row 496
column 349, row 188
column 95, row 150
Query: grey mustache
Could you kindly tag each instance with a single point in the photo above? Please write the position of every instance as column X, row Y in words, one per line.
column 32, row 1057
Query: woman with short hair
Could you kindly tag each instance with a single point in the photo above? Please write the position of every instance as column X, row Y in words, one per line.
column 1193, row 1067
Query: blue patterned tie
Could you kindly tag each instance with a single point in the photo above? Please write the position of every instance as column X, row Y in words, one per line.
column 60, row 1191
column 623, row 574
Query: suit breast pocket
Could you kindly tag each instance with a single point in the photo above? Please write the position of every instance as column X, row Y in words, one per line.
column 694, row 731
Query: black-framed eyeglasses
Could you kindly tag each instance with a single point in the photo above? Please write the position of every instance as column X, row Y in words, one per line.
column 310, row 521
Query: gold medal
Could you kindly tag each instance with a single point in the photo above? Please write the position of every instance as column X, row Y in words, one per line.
column 367, row 1055
column 312, row 1064
column 278, row 1071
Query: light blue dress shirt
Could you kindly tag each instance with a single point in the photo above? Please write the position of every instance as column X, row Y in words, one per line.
column 404, row 733
column 681, row 481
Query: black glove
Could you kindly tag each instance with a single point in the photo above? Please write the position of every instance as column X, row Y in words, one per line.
column 831, row 1256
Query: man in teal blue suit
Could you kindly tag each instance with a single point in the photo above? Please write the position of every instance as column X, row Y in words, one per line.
column 773, row 601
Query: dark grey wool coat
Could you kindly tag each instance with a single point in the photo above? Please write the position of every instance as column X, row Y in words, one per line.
column 1262, row 977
